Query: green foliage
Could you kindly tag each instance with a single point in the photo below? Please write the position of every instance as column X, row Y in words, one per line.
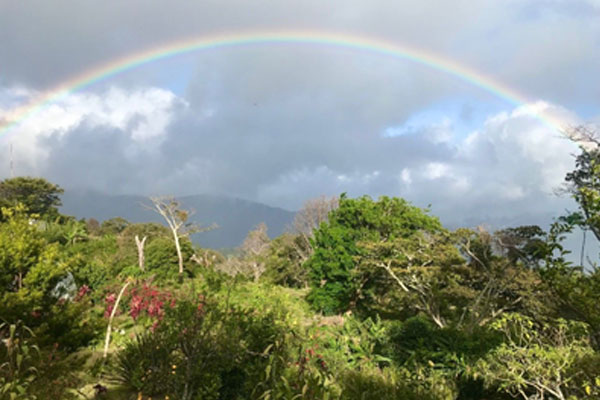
column 418, row 340
column 144, row 364
column 585, row 188
column 126, row 237
column 427, row 313
column 423, row 272
column 201, row 350
column 578, row 294
column 526, row 244
column 371, row 383
column 500, row 276
column 39, row 196
column 334, row 286
column 18, row 358
column 535, row 360
column 161, row 257
column 36, row 284
column 113, row 226
column 30, row 269
column 71, row 324
column 352, row 344
column 283, row 264
column 96, row 262
column 575, row 290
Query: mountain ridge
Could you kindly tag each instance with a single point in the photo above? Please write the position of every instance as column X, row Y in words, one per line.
column 235, row 217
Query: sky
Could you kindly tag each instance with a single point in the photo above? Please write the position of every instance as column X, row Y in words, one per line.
column 283, row 123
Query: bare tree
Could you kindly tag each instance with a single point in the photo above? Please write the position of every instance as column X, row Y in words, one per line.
column 140, row 248
column 232, row 266
column 310, row 216
column 586, row 136
column 177, row 220
column 254, row 246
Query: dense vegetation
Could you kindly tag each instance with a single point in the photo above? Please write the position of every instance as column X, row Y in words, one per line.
column 361, row 299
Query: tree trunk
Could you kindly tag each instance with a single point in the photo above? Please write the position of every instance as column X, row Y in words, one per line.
column 140, row 247
column 179, row 255
column 110, row 320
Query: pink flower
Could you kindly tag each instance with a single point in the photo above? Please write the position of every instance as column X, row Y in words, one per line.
column 83, row 290
column 110, row 304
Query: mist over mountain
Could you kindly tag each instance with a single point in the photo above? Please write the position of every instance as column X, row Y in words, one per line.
column 234, row 217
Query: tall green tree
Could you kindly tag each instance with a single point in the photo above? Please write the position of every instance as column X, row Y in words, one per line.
column 37, row 195
column 335, row 284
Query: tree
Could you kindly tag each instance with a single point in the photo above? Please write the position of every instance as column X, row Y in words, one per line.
column 74, row 232
column 426, row 268
column 335, row 284
column 309, row 218
column 501, row 273
column 576, row 288
column 254, row 250
column 92, row 226
column 284, row 264
column 141, row 234
column 585, row 188
column 536, row 362
column 177, row 220
column 36, row 194
column 30, row 268
column 459, row 279
column 114, row 226
column 140, row 248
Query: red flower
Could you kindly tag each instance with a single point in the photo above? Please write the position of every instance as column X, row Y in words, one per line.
column 83, row 290
column 110, row 304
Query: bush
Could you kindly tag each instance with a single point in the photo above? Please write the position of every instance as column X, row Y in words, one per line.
column 18, row 360
column 202, row 350
column 161, row 258
column 418, row 340
column 385, row 384
column 283, row 264
column 71, row 325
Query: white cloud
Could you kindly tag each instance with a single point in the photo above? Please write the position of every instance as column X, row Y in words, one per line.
column 405, row 176
column 435, row 170
column 143, row 114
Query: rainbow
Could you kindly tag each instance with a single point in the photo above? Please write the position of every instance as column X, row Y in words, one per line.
column 377, row 46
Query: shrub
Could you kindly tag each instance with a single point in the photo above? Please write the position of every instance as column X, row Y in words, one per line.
column 18, row 360
column 386, row 384
column 202, row 350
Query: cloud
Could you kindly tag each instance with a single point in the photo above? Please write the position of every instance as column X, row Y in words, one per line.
column 544, row 49
column 282, row 123
column 149, row 141
column 70, row 128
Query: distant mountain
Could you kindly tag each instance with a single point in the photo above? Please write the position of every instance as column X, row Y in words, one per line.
column 235, row 217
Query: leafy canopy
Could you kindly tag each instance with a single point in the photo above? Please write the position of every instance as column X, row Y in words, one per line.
column 331, row 267
column 37, row 195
